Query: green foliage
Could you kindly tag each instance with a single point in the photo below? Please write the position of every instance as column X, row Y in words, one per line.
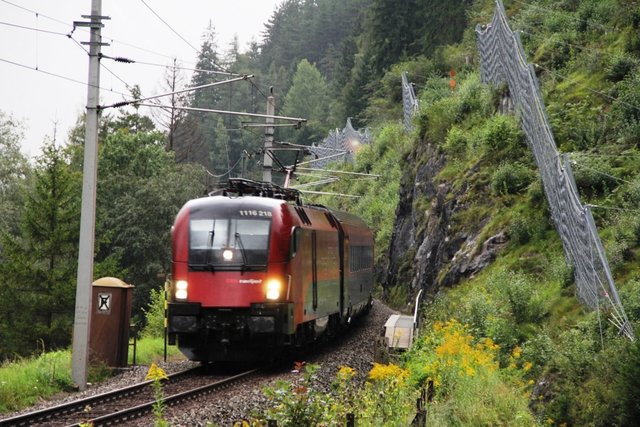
column 40, row 268
column 456, row 142
column 308, row 98
column 594, row 176
column 24, row 381
column 14, row 171
column 157, row 375
column 624, row 110
column 299, row 403
column 386, row 398
column 154, row 315
column 470, row 387
column 502, row 138
column 471, row 101
column 510, row 178
column 151, row 350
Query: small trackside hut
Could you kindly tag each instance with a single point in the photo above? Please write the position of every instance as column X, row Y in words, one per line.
column 255, row 271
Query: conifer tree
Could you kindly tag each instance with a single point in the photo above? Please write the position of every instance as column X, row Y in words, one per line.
column 39, row 271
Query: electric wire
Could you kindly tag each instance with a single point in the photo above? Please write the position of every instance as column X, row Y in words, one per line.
column 38, row 30
column 40, row 70
column 170, row 27
column 37, row 13
column 599, row 172
column 227, row 172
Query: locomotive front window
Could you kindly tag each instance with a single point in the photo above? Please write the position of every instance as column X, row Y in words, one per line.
column 228, row 243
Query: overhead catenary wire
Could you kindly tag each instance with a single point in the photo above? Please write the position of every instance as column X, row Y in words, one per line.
column 36, row 12
column 152, row 64
column 70, row 79
column 233, row 113
column 170, row 27
column 38, row 30
column 190, row 89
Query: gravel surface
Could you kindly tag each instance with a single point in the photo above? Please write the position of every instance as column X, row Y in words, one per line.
column 354, row 349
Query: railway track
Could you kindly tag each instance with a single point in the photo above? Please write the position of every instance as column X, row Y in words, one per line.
column 127, row 403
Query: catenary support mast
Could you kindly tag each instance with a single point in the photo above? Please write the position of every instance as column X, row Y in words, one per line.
column 81, row 324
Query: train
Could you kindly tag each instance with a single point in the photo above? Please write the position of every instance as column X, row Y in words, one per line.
column 256, row 272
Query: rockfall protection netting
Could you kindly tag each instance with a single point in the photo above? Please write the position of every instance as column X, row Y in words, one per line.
column 409, row 103
column 503, row 61
column 340, row 145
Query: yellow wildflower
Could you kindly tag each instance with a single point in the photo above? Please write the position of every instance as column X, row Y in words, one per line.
column 381, row 372
column 527, row 366
column 156, row 373
column 517, row 352
column 345, row 373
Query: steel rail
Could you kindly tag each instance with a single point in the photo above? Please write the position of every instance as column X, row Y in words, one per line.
column 173, row 400
column 65, row 409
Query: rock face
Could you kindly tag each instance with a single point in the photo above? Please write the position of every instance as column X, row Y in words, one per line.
column 427, row 249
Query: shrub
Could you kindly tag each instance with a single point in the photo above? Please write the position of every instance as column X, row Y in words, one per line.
column 620, row 66
column 593, row 176
column 510, row 178
column 456, row 142
column 502, row 134
column 520, row 230
column 624, row 110
column 631, row 194
column 154, row 315
column 520, row 294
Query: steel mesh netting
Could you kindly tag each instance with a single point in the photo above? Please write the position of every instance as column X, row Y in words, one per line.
column 409, row 103
column 503, row 61
column 339, row 145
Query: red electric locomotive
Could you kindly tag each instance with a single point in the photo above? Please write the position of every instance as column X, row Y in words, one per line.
column 255, row 271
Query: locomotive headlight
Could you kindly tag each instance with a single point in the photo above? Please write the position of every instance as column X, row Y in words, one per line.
column 181, row 289
column 227, row 254
column 274, row 287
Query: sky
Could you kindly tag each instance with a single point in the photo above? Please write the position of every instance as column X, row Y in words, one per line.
column 54, row 96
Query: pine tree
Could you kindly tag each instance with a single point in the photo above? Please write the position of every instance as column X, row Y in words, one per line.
column 40, row 269
column 308, row 98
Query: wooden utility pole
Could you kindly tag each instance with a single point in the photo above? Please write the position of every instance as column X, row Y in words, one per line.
column 267, row 162
column 81, row 325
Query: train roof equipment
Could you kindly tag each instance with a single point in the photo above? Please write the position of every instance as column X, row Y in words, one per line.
column 247, row 187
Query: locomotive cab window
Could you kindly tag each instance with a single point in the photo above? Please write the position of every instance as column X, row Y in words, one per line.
column 228, row 243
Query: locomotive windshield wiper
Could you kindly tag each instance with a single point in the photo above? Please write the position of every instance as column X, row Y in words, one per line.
column 212, row 234
column 239, row 240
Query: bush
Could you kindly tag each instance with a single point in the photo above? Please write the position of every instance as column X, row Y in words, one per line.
column 154, row 315
column 520, row 292
column 520, row 230
column 502, row 134
column 593, row 176
column 456, row 142
column 510, row 178
column 620, row 66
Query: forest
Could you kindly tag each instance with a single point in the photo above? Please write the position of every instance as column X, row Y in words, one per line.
column 509, row 343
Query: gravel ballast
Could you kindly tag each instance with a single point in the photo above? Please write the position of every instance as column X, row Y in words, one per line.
column 355, row 349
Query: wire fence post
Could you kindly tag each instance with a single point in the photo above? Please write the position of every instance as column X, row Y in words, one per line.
column 351, row 420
